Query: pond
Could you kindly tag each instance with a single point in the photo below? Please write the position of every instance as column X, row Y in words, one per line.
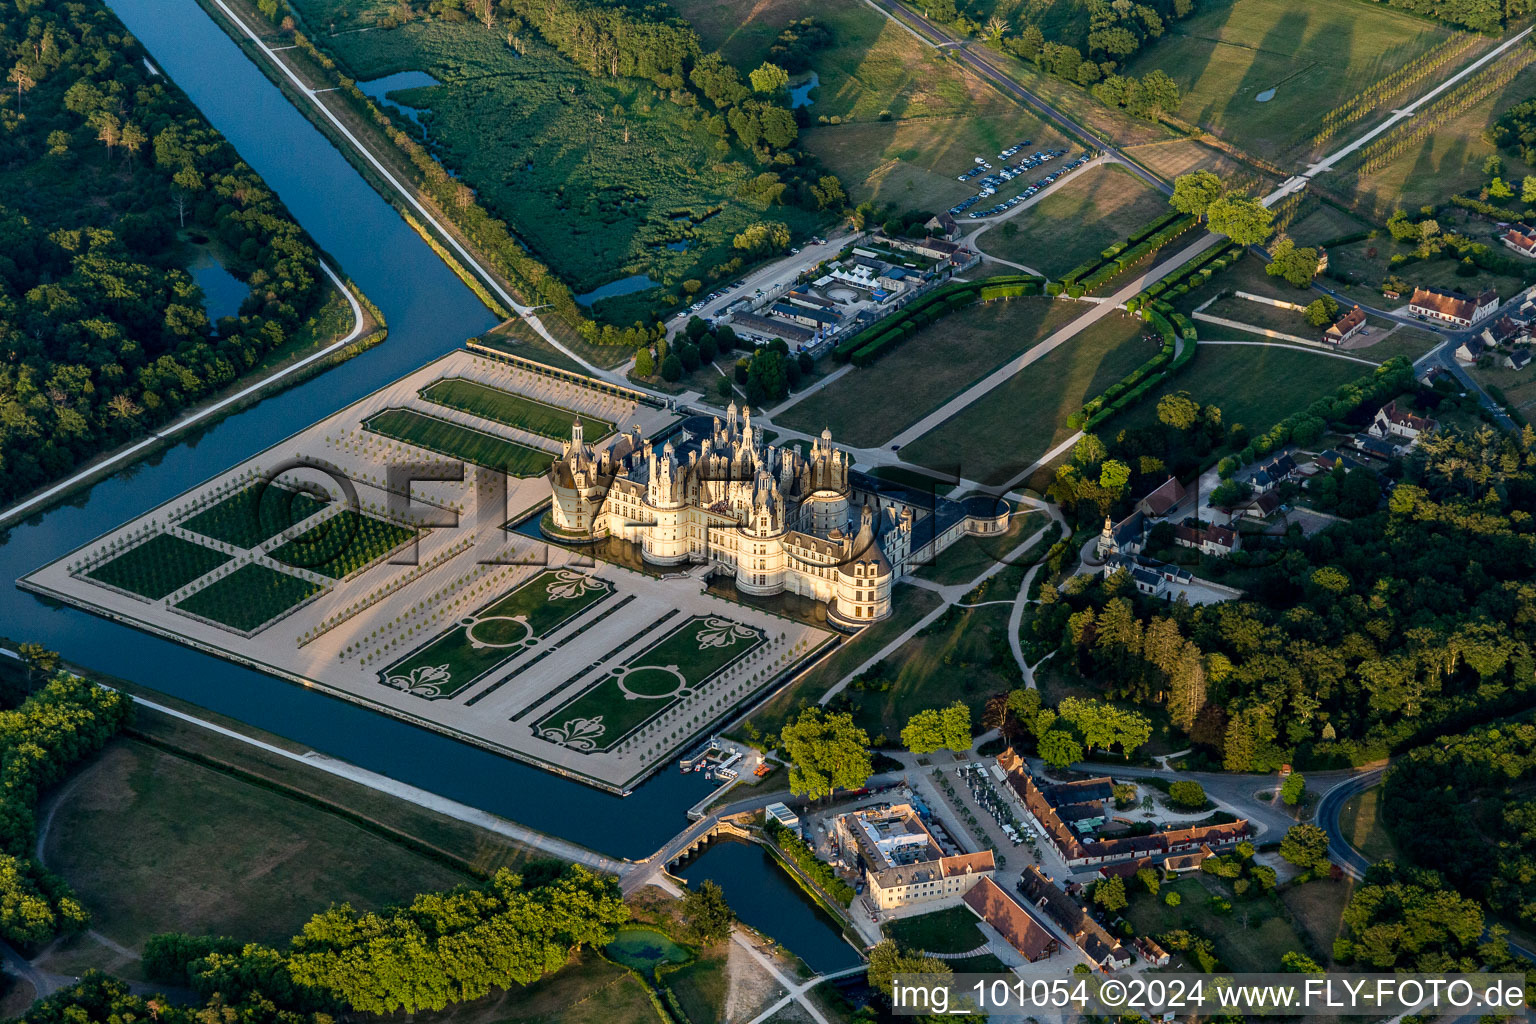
column 623, row 286
column 1265, row 96
column 222, row 291
column 646, row 949
column 766, row 898
column 800, row 95
column 378, row 89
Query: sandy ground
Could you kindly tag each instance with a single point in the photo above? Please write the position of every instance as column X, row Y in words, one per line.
column 751, row 990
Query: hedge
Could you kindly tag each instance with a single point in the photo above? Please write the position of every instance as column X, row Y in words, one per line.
column 1105, row 269
column 880, row 337
column 1157, row 225
column 1129, row 389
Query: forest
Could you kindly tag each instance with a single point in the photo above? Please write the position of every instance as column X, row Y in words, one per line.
column 105, row 171
column 1371, row 636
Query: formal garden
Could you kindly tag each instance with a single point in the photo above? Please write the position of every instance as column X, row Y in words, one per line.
column 250, row 517
column 343, row 544
column 484, row 640
column 249, row 598
column 458, row 442
column 648, row 683
column 159, row 566
column 512, row 410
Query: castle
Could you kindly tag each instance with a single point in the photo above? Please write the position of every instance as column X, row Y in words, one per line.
column 778, row 520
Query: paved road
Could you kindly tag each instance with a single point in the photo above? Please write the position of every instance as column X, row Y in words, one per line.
column 1329, row 811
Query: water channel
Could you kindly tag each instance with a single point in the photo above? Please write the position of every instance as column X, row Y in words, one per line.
column 429, row 312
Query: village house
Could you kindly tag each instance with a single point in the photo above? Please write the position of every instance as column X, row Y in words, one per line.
column 1521, row 239
column 1150, row 951
column 1102, row 949
column 1018, row 927
column 1518, row 359
column 1392, row 421
column 1258, row 506
column 1174, row 863
column 1452, row 307
column 1149, row 576
column 1219, row 541
column 902, row 862
column 1268, row 475
column 1162, row 500
column 1471, row 350
column 1346, row 327
column 1503, row 331
column 1376, row 447
column 944, row 225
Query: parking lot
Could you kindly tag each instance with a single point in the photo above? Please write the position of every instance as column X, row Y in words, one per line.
column 995, row 180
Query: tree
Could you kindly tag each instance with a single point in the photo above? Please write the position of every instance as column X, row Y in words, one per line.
column 1060, row 748
column 1292, row 788
column 827, row 752
column 708, row 915
column 1106, row 725
column 23, row 80
column 1528, row 189
column 1089, row 451
column 1150, row 878
column 1244, row 220
column 1109, row 893
column 1114, row 477
column 38, row 658
column 1298, row 266
column 1306, row 846
column 1320, row 312
column 1299, row 963
column 1194, row 192
column 672, row 368
column 1172, row 898
column 939, row 728
column 1188, row 794
column 1178, row 411
column 1498, row 188
column 769, row 79
column 645, row 366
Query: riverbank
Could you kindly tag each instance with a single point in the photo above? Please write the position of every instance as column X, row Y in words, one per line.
column 291, row 365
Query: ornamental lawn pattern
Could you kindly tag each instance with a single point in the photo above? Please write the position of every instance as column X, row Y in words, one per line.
column 343, row 544
column 463, row 443
column 496, row 633
column 248, row 598
column 157, row 567
column 250, row 517
column 646, row 684
column 512, row 410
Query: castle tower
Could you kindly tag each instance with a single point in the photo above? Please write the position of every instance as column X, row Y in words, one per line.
column 1106, row 544
column 826, row 487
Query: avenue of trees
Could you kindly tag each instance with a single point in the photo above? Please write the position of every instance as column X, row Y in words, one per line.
column 103, row 333
column 1417, row 617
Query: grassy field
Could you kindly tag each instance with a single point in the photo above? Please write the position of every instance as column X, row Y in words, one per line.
column 646, row 684
column 458, row 442
column 969, row 557
column 1519, row 386
column 158, row 566
column 248, row 597
column 952, row 930
column 1006, row 430
column 701, row 986
column 964, row 655
column 1315, row 56
column 1361, row 825
column 213, row 855
column 343, row 544
column 256, row 514
column 1449, row 159
column 512, row 410
column 1252, row 937
column 1169, row 158
column 928, row 369
column 596, row 176
column 1255, row 385
column 1094, row 209
column 1318, row 906
column 589, row 988
column 457, row 659
column 910, row 120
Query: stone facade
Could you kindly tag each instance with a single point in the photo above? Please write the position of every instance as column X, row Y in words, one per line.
column 776, row 519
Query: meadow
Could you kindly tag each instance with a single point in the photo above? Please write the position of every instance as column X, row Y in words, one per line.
column 597, row 177
column 931, row 367
column 1092, row 210
column 1252, row 937
column 458, row 442
column 1315, row 56
column 993, row 439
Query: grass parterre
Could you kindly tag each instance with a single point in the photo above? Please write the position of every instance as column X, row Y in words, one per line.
column 512, row 410
column 458, row 442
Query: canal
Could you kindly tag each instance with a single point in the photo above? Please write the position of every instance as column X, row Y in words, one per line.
column 429, row 312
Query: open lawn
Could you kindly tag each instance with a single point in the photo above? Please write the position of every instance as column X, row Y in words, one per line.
column 490, row 636
column 928, row 369
column 459, row 442
column 1362, row 827
column 969, row 557
column 1519, row 386
column 647, row 683
column 597, row 176
column 160, row 565
column 249, row 597
column 1169, row 158
column 1094, row 209
column 964, row 655
column 1314, row 56
column 1255, row 385
column 256, row 514
column 1319, row 907
column 952, row 930
column 1253, row 936
column 213, row 855
column 1016, row 423
column 589, row 988
column 1318, row 224
column 343, row 544
column 512, row 410
column 701, row 986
